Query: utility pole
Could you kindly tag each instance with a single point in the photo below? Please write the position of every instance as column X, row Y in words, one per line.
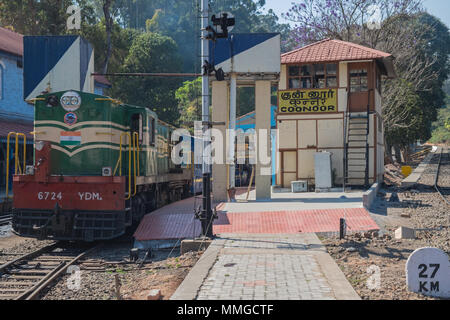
column 206, row 213
column 222, row 24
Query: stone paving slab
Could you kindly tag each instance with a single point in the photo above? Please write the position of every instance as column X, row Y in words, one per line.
column 266, row 267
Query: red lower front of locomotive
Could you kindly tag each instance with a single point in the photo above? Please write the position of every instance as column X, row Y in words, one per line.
column 85, row 208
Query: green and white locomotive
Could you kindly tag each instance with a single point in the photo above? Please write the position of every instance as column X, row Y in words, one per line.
column 99, row 165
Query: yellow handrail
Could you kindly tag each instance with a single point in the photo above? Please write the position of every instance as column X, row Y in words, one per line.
column 119, row 162
column 24, row 151
column 16, row 156
column 135, row 149
column 115, row 101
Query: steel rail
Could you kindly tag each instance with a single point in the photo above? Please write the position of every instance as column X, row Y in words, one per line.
column 54, row 274
column 5, row 219
column 436, row 178
column 33, row 291
column 28, row 256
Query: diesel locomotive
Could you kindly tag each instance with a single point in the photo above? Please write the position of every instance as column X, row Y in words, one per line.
column 99, row 166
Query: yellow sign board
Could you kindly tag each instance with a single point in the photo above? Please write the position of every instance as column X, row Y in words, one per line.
column 307, row 101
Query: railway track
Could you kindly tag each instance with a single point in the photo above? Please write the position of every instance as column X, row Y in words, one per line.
column 24, row 277
column 5, row 219
column 442, row 177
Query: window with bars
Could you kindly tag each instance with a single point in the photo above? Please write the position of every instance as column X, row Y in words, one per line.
column 313, row 76
column 358, row 80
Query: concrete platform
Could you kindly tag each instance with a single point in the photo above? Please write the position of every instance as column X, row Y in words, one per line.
column 266, row 267
column 295, row 201
column 414, row 177
column 285, row 214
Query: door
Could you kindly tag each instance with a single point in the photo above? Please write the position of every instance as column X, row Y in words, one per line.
column 289, row 167
column 359, row 77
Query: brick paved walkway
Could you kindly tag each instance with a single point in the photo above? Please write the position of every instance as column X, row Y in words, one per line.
column 266, row 267
column 177, row 220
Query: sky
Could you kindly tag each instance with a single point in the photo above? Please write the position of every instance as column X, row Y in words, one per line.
column 438, row 8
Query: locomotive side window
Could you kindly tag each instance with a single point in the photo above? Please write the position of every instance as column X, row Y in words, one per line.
column 136, row 125
column 151, row 130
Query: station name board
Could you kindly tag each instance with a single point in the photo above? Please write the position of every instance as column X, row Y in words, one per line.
column 307, row 101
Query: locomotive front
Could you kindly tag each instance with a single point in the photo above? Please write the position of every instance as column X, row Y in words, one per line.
column 70, row 192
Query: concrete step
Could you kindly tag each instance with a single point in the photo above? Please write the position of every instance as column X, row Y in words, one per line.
column 357, row 126
column 357, row 162
column 357, row 144
column 356, row 151
column 358, row 115
column 357, row 138
column 355, row 181
column 354, row 174
column 357, row 131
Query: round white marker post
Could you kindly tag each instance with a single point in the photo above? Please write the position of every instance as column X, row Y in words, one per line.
column 428, row 272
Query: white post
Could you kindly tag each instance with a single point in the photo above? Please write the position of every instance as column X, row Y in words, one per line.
column 232, row 128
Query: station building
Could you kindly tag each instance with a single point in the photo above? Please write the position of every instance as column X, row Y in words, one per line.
column 329, row 100
column 15, row 114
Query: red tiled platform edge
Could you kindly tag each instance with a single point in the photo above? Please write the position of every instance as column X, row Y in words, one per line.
column 176, row 221
column 326, row 220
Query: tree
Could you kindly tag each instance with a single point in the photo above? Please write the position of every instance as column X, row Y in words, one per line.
column 358, row 21
column 151, row 52
column 180, row 21
column 39, row 17
column 109, row 21
column 441, row 128
column 189, row 98
column 121, row 41
column 422, row 63
column 419, row 42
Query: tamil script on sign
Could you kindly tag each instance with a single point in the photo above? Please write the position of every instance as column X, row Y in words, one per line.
column 307, row 101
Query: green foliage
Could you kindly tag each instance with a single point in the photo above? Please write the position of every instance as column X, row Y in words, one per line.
column 410, row 127
column 152, row 25
column 151, row 52
column 122, row 40
column 179, row 20
column 40, row 17
column 412, row 100
column 441, row 128
column 146, row 36
column 189, row 101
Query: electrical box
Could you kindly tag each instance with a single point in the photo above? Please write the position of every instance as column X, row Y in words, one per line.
column 322, row 170
column 299, row 186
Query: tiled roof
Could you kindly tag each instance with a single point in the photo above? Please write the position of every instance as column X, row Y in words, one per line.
column 7, row 126
column 11, row 42
column 331, row 50
column 102, row 80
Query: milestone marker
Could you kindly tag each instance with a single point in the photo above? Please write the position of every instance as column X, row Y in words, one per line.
column 428, row 272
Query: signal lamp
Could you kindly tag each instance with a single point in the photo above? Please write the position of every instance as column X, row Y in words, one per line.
column 220, row 75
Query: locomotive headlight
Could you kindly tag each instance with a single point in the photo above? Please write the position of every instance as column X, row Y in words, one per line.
column 74, row 101
column 65, row 101
column 70, row 101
